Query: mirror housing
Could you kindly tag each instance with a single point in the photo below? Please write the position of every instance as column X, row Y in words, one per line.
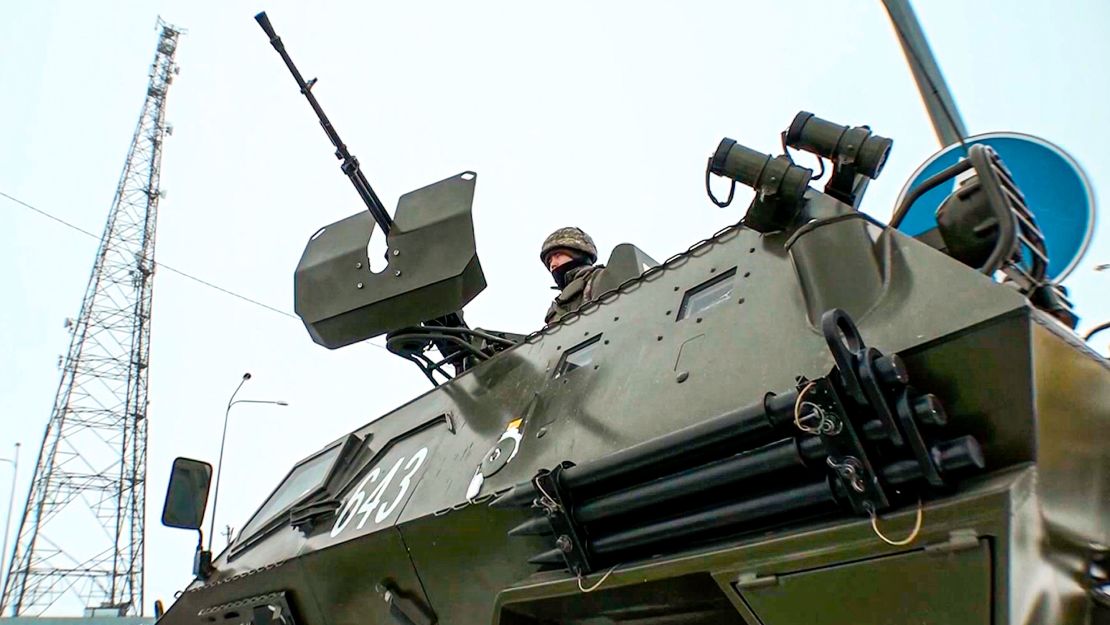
column 187, row 494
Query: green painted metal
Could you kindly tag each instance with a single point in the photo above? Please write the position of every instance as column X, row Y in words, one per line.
column 400, row 530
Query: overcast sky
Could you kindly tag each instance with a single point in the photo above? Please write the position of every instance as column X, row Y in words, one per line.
column 593, row 114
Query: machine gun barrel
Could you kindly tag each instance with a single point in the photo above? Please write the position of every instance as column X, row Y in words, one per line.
column 350, row 165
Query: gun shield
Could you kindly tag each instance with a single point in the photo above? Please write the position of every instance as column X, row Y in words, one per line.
column 432, row 270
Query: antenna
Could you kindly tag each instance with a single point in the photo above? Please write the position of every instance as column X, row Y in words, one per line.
column 81, row 540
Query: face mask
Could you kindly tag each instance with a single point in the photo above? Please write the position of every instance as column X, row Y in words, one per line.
column 560, row 272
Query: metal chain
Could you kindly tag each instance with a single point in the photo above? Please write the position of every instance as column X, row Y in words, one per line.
column 226, row 580
column 628, row 284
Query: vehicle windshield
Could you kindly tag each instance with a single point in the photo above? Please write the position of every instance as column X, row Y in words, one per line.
column 302, row 480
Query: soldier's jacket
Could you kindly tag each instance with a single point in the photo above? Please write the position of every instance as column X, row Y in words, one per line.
column 578, row 291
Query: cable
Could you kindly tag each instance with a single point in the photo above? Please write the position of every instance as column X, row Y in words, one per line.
column 223, row 290
column 599, row 582
column 49, row 216
column 798, row 409
column 157, row 263
column 1099, row 328
column 908, row 539
column 168, row 268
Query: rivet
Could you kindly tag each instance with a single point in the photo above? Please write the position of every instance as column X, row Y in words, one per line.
column 606, row 341
column 397, row 274
column 740, row 301
column 682, row 376
column 396, row 252
column 747, row 273
column 541, row 432
column 668, row 312
column 676, row 288
column 698, row 320
column 358, row 265
column 712, row 269
column 659, row 338
column 616, row 318
column 751, row 251
column 358, row 286
column 596, row 366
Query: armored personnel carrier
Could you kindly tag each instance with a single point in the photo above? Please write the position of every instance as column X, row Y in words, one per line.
column 807, row 417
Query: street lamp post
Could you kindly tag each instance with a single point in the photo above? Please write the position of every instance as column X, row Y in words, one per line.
column 223, row 439
column 11, row 502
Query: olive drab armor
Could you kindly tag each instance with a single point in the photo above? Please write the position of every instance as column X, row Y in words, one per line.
column 730, row 436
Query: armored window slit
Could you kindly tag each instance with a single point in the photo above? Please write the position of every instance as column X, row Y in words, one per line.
column 307, row 479
column 579, row 356
column 707, row 295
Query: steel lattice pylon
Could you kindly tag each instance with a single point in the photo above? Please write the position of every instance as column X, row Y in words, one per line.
column 81, row 539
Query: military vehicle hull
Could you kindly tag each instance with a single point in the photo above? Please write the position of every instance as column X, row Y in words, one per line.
column 395, row 532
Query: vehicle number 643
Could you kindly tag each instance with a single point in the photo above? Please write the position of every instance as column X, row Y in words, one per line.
column 363, row 505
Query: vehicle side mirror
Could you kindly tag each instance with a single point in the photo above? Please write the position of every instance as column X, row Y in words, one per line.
column 187, row 495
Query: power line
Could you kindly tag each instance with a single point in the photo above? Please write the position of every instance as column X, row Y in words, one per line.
column 168, row 268
column 223, row 290
column 159, row 264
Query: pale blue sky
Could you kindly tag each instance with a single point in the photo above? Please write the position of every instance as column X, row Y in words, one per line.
column 594, row 114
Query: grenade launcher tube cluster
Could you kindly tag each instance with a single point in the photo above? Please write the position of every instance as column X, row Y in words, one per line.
column 753, row 468
column 749, row 422
column 747, row 467
column 814, row 497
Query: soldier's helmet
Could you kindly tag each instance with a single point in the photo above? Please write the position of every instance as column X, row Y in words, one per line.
column 569, row 238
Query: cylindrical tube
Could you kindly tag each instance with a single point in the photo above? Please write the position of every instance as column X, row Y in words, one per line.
column 740, row 514
column 763, row 462
column 949, row 456
column 777, row 176
column 857, row 145
column 741, row 163
column 774, row 411
column 813, row 134
column 658, row 452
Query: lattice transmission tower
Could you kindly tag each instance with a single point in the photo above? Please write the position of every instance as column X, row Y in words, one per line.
column 80, row 544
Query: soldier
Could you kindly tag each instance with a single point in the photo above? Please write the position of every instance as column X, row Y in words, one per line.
column 569, row 254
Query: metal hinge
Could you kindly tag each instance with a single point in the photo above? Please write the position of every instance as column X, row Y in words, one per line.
column 958, row 540
column 751, row 580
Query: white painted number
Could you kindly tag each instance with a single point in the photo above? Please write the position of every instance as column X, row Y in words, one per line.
column 413, row 464
column 358, row 503
column 376, row 497
column 352, row 503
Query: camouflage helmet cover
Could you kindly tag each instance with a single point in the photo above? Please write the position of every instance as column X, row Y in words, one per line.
column 569, row 238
